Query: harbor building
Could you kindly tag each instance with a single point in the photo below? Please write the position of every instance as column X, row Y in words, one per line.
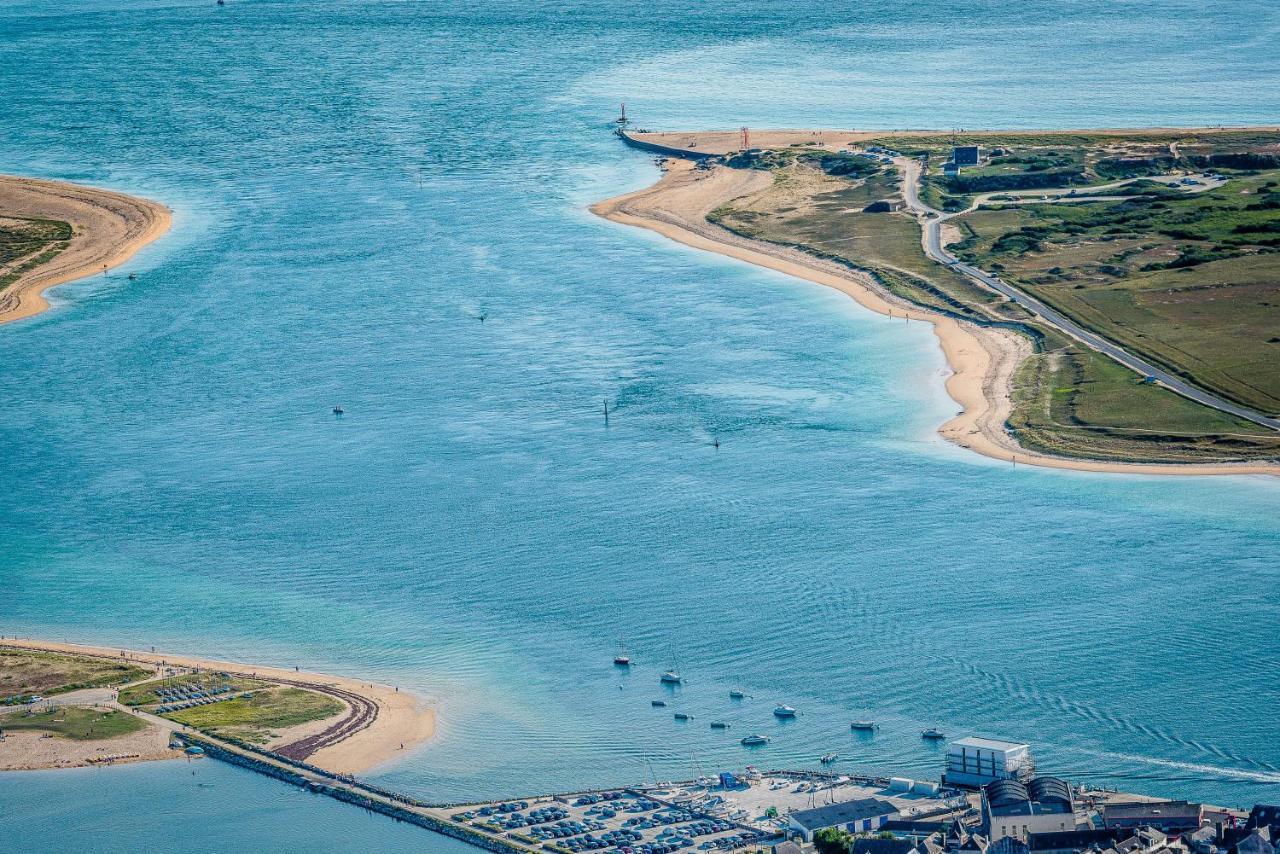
column 1017, row 809
column 1169, row 816
column 860, row 816
column 975, row 762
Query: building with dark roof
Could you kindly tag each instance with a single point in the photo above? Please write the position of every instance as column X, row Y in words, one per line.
column 1008, row 845
column 884, row 846
column 860, row 816
column 1257, row 842
column 1265, row 815
column 1013, row 808
column 966, row 155
column 1169, row 816
column 1072, row 841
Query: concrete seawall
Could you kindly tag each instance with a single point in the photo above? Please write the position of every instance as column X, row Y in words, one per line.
column 668, row 150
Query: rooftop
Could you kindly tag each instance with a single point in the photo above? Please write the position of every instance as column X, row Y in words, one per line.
column 842, row 813
column 988, row 743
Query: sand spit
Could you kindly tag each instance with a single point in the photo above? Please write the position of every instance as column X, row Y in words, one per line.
column 108, row 228
column 983, row 360
column 399, row 722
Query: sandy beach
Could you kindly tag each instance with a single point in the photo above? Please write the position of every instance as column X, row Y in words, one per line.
column 108, row 228
column 983, row 360
column 401, row 721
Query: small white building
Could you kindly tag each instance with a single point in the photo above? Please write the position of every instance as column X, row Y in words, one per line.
column 976, row 762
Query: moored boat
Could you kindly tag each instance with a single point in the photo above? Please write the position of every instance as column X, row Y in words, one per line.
column 719, row 725
column 683, row 716
column 753, row 740
column 657, row 703
column 865, row 726
column 671, row 677
column 735, row 694
column 784, row 711
column 829, row 758
column 933, row 734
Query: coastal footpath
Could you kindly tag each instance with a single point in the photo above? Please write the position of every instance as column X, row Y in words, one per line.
column 986, row 352
column 56, row 232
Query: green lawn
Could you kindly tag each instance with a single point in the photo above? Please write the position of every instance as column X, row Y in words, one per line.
column 77, row 722
column 252, row 719
column 28, row 672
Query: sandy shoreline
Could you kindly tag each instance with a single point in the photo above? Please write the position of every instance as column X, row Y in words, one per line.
column 983, row 360
column 402, row 722
column 108, row 229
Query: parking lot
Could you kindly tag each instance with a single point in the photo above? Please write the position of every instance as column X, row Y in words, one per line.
column 626, row 821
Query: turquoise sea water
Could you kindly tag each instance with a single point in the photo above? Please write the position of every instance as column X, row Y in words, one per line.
column 354, row 185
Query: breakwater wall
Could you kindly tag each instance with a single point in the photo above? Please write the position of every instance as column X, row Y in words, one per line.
column 372, row 798
column 657, row 148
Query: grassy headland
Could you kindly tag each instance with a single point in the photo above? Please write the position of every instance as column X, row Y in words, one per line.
column 1186, row 276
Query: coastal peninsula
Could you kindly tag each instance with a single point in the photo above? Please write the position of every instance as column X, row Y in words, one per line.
column 53, row 232
column 1103, row 297
column 67, row 705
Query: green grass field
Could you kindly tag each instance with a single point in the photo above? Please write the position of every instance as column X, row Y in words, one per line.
column 253, row 719
column 1192, row 283
column 77, row 722
column 28, row 672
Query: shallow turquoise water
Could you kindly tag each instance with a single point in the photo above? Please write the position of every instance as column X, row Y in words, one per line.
column 355, row 185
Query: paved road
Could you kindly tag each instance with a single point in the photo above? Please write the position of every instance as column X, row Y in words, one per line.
column 933, row 220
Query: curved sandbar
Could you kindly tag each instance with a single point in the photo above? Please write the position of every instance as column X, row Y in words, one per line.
column 107, row 229
column 983, row 359
column 392, row 723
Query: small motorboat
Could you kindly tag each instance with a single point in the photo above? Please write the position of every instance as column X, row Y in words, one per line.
column 719, row 725
column 863, row 726
column 735, row 694
column 933, row 734
column 133, row 277
column 671, row 677
column 683, row 716
column 338, row 410
column 753, row 740
column 658, row 704
column 829, row 758
column 784, row 711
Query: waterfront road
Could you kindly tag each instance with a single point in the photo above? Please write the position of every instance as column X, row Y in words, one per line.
column 932, row 220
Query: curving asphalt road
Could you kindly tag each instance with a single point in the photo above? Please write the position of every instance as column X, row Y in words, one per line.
column 932, row 225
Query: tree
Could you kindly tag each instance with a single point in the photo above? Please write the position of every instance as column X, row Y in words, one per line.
column 832, row 840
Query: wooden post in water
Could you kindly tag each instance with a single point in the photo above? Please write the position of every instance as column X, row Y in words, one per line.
column 606, row 412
